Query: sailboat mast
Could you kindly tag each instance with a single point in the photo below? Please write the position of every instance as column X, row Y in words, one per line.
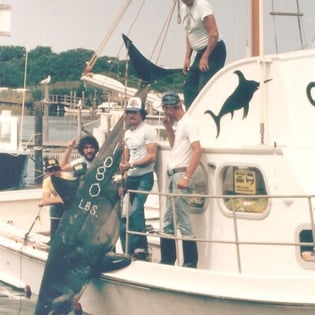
column 258, row 50
column 257, row 27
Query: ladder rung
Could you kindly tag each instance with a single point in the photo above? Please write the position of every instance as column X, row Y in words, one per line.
column 286, row 13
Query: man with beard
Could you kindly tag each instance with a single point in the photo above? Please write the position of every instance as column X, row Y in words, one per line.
column 87, row 147
column 140, row 153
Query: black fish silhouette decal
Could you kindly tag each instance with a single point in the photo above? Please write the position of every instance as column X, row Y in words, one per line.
column 309, row 88
column 239, row 99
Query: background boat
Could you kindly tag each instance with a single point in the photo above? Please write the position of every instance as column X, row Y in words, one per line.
column 77, row 111
column 13, row 158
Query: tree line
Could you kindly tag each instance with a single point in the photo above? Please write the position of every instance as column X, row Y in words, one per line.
column 65, row 69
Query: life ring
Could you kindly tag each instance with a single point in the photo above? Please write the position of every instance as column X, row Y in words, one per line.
column 309, row 94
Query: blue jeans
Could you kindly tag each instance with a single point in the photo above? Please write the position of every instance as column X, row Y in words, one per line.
column 137, row 219
column 182, row 208
column 197, row 79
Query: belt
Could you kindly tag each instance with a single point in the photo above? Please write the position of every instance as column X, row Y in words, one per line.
column 176, row 170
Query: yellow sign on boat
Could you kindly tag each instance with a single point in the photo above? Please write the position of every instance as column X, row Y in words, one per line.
column 244, row 182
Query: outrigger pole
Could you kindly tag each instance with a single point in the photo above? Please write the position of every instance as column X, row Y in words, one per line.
column 107, row 36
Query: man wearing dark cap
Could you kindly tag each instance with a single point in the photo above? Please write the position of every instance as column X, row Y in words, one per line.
column 138, row 161
column 50, row 196
column 183, row 160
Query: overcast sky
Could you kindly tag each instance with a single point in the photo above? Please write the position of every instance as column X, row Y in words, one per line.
column 69, row 24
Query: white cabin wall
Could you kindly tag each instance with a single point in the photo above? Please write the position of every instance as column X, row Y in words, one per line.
column 237, row 131
column 301, row 111
column 285, row 108
column 278, row 224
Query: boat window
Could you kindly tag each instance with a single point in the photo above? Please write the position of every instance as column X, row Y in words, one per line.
column 245, row 181
column 197, row 204
column 307, row 252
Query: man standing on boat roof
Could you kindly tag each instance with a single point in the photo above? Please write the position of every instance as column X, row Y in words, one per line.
column 140, row 152
column 203, row 38
column 87, row 147
column 183, row 160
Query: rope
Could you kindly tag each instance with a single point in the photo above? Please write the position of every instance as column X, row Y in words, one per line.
column 132, row 24
column 275, row 28
column 164, row 32
column 129, row 30
column 299, row 22
column 179, row 18
column 30, row 229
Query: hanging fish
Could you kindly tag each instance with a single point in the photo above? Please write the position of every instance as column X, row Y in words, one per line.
column 87, row 232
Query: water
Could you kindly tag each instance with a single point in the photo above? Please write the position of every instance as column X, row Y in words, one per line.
column 61, row 129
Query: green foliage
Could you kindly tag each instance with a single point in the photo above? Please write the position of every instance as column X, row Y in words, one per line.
column 65, row 69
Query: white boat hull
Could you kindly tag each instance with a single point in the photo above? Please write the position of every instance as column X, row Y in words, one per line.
column 147, row 288
column 255, row 229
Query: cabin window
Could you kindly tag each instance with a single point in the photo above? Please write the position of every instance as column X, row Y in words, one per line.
column 197, row 203
column 249, row 181
column 307, row 251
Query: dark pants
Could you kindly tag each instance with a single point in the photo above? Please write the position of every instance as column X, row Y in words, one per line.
column 197, row 79
column 136, row 215
column 56, row 213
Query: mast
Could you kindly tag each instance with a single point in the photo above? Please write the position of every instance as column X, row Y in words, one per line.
column 257, row 27
column 258, row 50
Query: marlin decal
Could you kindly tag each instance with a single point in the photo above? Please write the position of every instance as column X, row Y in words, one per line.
column 239, row 99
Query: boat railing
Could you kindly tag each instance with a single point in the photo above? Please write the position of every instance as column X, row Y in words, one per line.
column 305, row 244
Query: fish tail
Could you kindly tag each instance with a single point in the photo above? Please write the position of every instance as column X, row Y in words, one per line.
column 216, row 120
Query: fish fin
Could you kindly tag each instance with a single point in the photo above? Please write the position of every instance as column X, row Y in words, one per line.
column 145, row 69
column 65, row 188
column 216, row 120
column 112, row 261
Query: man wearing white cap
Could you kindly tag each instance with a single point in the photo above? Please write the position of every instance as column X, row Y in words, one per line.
column 138, row 161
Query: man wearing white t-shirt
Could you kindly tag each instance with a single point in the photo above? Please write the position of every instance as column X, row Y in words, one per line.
column 203, row 38
column 183, row 160
column 138, row 161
